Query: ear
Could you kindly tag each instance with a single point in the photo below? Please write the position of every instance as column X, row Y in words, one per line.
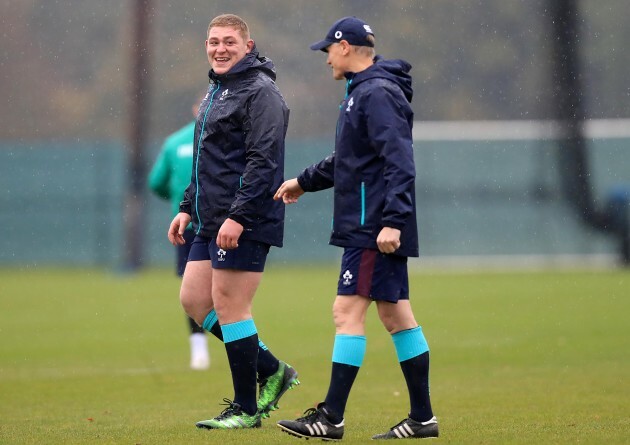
column 250, row 46
column 345, row 47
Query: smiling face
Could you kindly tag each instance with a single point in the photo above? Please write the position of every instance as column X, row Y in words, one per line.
column 337, row 53
column 344, row 58
column 225, row 47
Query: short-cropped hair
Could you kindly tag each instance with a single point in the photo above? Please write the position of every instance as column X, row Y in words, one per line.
column 367, row 51
column 232, row 21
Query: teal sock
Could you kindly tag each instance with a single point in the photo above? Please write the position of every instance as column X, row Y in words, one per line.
column 348, row 353
column 413, row 354
column 267, row 362
column 241, row 346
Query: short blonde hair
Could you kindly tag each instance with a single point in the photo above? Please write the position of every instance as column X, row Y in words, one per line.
column 366, row 51
column 232, row 21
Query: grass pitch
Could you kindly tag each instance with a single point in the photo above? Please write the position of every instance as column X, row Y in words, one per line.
column 87, row 356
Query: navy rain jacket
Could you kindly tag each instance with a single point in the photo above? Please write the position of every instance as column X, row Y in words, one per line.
column 238, row 158
column 372, row 168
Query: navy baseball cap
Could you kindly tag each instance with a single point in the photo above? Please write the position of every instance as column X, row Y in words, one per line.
column 351, row 29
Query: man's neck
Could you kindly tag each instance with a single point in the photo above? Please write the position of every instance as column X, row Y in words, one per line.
column 359, row 64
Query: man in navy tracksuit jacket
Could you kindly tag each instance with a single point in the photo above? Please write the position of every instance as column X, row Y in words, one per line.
column 372, row 171
column 372, row 168
column 238, row 159
column 238, row 162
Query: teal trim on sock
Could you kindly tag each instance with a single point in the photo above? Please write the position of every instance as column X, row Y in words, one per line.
column 261, row 345
column 349, row 349
column 237, row 330
column 210, row 320
column 410, row 343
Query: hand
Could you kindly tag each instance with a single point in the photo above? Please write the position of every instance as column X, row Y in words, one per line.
column 228, row 235
column 289, row 192
column 177, row 227
column 388, row 240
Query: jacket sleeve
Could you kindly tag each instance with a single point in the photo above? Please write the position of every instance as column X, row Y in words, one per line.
column 388, row 117
column 318, row 176
column 160, row 175
column 185, row 206
column 265, row 128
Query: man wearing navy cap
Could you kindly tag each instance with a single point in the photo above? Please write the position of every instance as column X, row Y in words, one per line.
column 373, row 174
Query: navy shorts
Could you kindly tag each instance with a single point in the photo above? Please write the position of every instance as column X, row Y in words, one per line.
column 249, row 255
column 183, row 251
column 373, row 274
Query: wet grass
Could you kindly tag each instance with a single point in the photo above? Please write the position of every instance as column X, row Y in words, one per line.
column 87, row 356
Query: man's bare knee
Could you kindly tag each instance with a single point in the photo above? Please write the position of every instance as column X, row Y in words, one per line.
column 340, row 316
column 388, row 321
column 349, row 314
column 396, row 317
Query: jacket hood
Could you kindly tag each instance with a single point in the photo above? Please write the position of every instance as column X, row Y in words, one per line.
column 252, row 61
column 395, row 70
